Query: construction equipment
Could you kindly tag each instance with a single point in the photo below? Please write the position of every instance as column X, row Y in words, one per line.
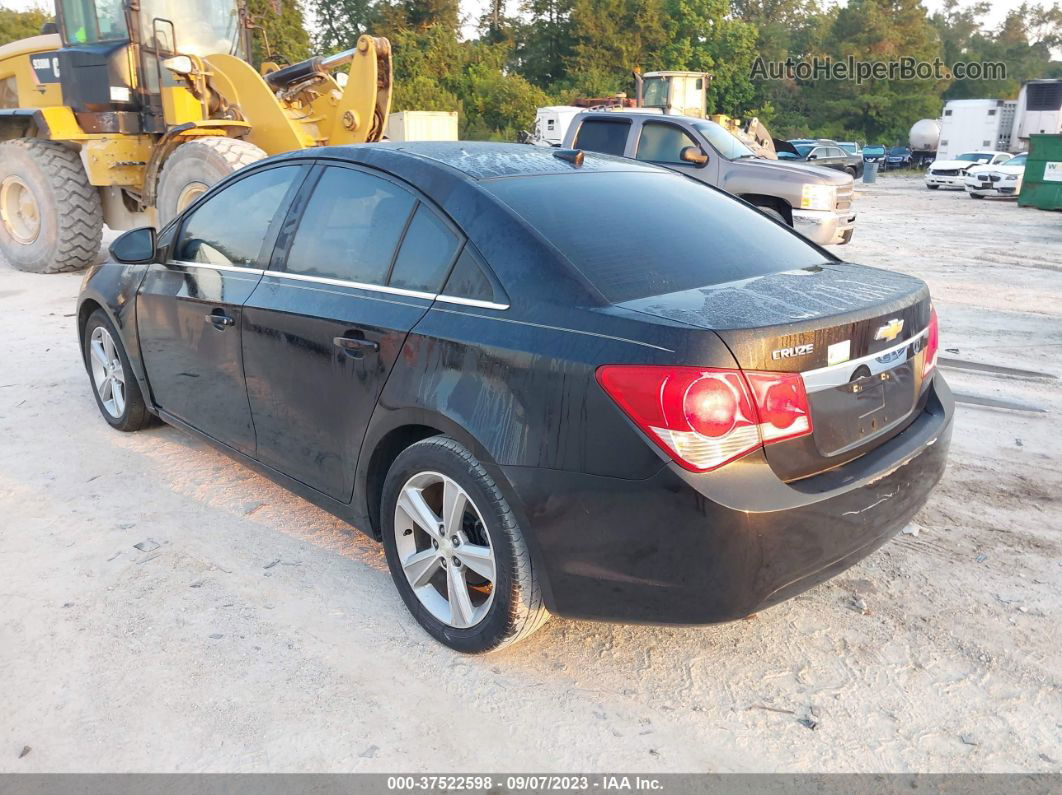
column 136, row 107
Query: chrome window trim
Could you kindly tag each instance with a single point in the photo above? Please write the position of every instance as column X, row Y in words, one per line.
column 476, row 302
column 837, row 375
column 229, row 268
column 376, row 288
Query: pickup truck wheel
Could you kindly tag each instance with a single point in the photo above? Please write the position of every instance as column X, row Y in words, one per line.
column 770, row 212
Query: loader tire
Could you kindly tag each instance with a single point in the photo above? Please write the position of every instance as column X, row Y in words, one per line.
column 51, row 219
column 196, row 166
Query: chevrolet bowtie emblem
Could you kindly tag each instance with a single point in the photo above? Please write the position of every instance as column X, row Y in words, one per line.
column 890, row 330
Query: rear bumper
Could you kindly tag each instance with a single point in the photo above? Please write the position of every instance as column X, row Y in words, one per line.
column 825, row 227
column 684, row 548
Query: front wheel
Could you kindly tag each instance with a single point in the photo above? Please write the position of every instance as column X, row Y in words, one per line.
column 933, row 187
column 456, row 552
column 976, row 196
column 115, row 387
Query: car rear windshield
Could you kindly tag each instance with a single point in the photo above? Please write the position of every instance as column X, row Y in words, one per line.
column 638, row 234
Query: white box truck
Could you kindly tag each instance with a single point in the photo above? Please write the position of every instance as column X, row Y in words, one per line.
column 969, row 125
column 1039, row 111
column 422, row 125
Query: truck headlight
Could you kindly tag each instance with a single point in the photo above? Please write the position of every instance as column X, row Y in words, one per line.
column 818, row 197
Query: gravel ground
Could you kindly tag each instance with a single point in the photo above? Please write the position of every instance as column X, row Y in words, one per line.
column 253, row 632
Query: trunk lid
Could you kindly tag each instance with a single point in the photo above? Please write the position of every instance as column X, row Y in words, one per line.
column 855, row 333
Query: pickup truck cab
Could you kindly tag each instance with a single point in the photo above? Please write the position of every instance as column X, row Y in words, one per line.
column 817, row 202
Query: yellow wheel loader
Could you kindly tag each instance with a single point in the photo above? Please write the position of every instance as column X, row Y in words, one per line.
column 133, row 108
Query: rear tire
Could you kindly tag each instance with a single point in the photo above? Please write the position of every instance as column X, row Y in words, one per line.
column 197, row 166
column 51, row 219
column 501, row 609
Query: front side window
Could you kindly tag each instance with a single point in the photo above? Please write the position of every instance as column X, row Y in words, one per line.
column 87, row 22
column 427, row 252
column 663, row 143
column 350, row 228
column 230, row 227
column 603, row 135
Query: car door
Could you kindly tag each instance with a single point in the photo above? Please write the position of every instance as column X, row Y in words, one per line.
column 662, row 143
column 189, row 308
column 357, row 264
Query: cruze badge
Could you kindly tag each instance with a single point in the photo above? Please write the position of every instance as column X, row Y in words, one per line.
column 890, row 330
column 796, row 350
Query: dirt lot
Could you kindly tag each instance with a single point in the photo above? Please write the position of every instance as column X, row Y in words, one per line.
column 262, row 634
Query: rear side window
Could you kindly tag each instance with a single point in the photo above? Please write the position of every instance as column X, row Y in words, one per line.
column 603, row 135
column 426, row 255
column 229, row 228
column 350, row 228
column 637, row 234
column 469, row 280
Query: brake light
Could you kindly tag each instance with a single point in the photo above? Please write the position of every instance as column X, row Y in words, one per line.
column 704, row 418
column 929, row 361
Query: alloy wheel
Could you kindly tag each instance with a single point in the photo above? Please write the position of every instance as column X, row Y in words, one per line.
column 444, row 549
column 108, row 375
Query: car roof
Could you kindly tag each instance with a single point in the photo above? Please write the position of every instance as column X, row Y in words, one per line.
column 480, row 160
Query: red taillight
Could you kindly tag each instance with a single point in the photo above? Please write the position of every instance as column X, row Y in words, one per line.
column 932, row 344
column 704, row 418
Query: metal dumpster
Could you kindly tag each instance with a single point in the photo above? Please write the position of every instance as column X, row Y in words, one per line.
column 1042, row 184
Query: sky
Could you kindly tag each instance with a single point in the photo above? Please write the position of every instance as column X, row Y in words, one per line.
column 473, row 9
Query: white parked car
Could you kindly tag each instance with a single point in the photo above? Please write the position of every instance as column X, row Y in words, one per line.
column 952, row 173
column 1000, row 180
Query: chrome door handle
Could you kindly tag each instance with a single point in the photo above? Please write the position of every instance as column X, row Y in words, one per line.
column 219, row 320
column 356, row 347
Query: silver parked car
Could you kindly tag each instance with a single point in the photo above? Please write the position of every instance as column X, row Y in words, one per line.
column 817, row 202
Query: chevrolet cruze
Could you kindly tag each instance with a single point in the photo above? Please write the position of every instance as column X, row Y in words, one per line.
column 548, row 381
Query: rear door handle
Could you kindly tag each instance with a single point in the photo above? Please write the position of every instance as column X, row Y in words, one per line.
column 356, row 347
column 219, row 319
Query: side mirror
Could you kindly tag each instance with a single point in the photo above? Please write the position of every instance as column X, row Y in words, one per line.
column 135, row 247
column 694, row 154
column 813, row 157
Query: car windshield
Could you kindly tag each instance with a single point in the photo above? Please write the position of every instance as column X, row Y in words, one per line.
column 803, row 149
column 1017, row 160
column 850, row 148
column 874, row 150
column 639, row 234
column 200, row 27
column 897, row 150
column 975, row 157
column 726, row 144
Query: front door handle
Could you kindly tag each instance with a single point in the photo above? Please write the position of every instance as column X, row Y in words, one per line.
column 356, row 347
column 219, row 319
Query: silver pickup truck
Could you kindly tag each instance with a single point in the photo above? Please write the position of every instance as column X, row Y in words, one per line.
column 817, row 202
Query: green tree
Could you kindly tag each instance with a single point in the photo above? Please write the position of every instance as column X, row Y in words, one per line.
column 611, row 38
column 340, row 22
column 280, row 31
column 543, row 44
column 703, row 36
column 15, row 25
column 877, row 109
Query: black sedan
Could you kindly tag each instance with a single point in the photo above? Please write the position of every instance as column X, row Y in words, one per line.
column 547, row 381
